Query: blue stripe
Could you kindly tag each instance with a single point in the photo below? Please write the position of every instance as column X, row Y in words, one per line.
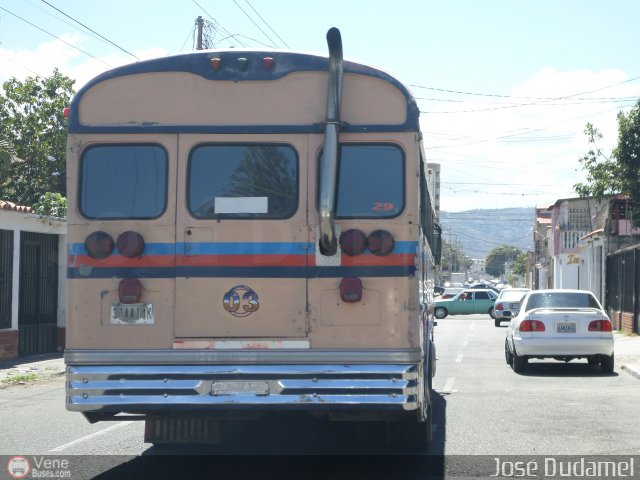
column 149, row 249
column 243, row 272
column 244, row 248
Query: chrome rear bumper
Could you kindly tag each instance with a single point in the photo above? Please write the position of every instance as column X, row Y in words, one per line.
column 140, row 388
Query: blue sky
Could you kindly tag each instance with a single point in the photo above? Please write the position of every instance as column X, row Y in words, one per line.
column 505, row 86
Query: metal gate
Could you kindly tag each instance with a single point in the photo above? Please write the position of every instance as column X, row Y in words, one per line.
column 6, row 277
column 37, row 317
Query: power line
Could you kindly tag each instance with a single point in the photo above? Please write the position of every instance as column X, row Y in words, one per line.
column 91, row 30
column 267, row 24
column 54, row 36
column 219, row 25
column 273, row 44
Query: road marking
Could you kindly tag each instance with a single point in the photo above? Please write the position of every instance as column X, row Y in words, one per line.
column 449, row 385
column 90, row 436
column 459, row 358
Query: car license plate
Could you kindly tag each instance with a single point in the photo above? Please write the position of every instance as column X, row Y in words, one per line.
column 132, row 314
column 566, row 328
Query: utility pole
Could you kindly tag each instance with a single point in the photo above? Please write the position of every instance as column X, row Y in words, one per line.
column 200, row 24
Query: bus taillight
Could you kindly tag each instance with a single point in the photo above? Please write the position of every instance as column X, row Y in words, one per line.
column 99, row 244
column 380, row 243
column 129, row 290
column 351, row 289
column 130, row 244
column 353, row 242
column 268, row 63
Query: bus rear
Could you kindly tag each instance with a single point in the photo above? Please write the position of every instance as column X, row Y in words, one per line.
column 249, row 232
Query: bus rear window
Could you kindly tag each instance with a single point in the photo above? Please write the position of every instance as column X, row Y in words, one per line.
column 370, row 181
column 123, row 181
column 243, row 181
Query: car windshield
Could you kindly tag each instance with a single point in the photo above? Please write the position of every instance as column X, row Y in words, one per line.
column 561, row 300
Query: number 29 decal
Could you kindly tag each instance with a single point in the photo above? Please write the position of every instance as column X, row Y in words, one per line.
column 382, row 207
column 241, row 301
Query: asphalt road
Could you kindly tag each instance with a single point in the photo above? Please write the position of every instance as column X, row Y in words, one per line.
column 481, row 407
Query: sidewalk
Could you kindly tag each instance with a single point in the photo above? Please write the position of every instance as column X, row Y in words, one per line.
column 39, row 367
column 30, row 369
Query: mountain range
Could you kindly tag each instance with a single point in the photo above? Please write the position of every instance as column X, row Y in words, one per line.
column 480, row 231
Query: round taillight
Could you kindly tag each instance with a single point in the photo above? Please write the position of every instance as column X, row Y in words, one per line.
column 99, row 244
column 353, row 242
column 130, row 244
column 129, row 290
column 380, row 243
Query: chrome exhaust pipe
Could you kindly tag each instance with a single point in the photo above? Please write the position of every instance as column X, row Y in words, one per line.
column 329, row 162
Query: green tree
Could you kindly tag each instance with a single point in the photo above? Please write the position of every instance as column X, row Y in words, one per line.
column 495, row 261
column 454, row 259
column 33, row 130
column 619, row 172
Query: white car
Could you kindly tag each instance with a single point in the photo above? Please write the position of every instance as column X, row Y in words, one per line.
column 560, row 324
column 507, row 304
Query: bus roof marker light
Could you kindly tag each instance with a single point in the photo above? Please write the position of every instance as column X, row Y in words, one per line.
column 216, row 62
column 99, row 244
column 268, row 63
column 243, row 63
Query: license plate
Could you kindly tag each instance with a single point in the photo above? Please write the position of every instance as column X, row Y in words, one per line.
column 132, row 314
column 566, row 328
column 235, row 387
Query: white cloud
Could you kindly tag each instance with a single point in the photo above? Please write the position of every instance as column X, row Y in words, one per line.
column 70, row 61
column 523, row 150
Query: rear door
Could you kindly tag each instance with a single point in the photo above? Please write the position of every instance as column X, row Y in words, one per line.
column 242, row 238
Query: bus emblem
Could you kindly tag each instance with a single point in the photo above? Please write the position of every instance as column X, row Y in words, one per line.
column 241, row 301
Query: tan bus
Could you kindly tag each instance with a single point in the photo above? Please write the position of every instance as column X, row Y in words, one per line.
column 249, row 232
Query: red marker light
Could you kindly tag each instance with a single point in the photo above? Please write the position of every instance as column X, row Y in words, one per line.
column 66, row 112
column 268, row 63
column 215, row 63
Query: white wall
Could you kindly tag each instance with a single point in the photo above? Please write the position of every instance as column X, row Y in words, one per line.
column 26, row 222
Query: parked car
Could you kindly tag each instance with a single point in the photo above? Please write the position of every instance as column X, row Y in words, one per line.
column 560, row 324
column 465, row 303
column 508, row 303
column 450, row 292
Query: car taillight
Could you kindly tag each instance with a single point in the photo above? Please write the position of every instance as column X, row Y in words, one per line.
column 380, row 243
column 499, row 307
column 130, row 244
column 531, row 326
column 351, row 289
column 99, row 244
column 353, row 242
column 600, row 326
column 129, row 290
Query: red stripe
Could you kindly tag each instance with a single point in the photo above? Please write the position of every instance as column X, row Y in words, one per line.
column 236, row 261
